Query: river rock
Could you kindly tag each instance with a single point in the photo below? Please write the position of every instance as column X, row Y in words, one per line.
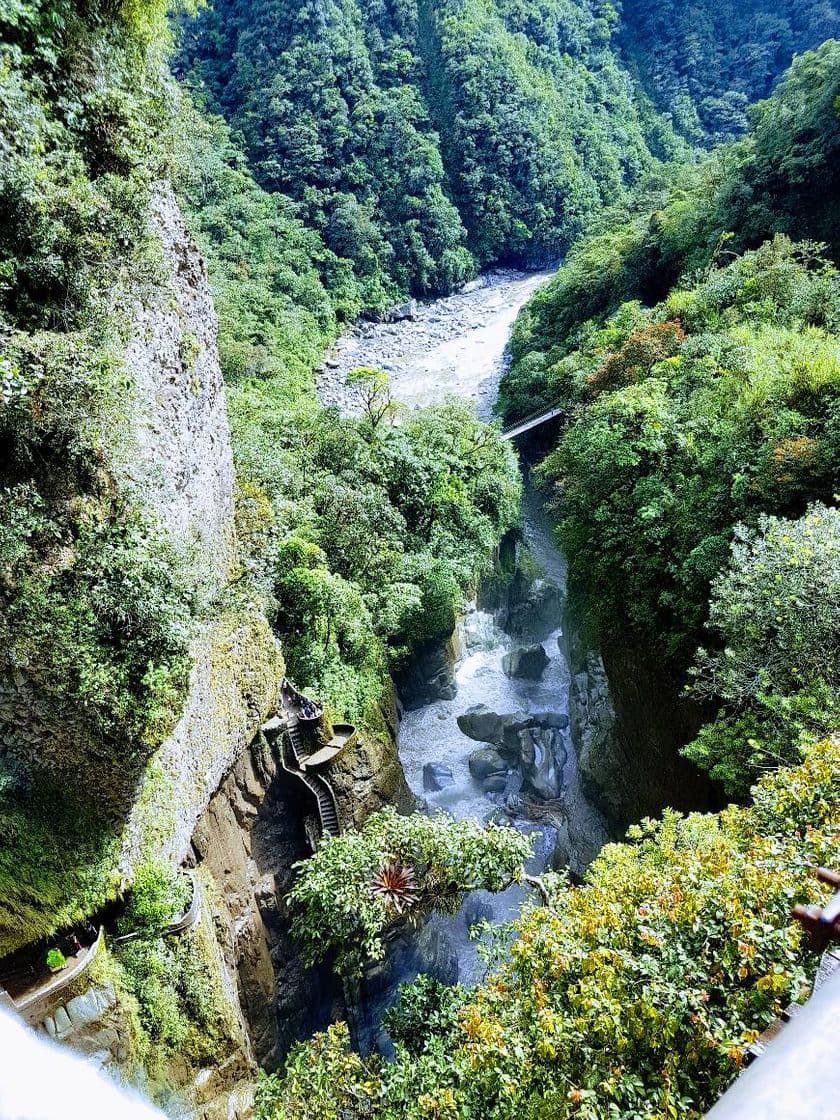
column 482, row 724
column 557, row 720
column 402, row 313
column 527, row 662
column 486, row 761
column 436, row 776
column 543, row 769
column 496, row 783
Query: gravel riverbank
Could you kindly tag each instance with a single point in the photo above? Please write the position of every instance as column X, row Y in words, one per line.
column 453, row 346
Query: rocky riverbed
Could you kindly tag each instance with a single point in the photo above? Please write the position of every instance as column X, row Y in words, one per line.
column 452, row 346
column 487, row 730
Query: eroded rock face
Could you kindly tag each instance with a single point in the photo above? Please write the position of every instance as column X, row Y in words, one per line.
column 629, row 722
column 369, row 776
column 429, row 676
column 185, row 461
column 252, row 833
column 257, row 825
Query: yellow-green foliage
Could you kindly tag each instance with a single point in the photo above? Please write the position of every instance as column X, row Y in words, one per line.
column 631, row 996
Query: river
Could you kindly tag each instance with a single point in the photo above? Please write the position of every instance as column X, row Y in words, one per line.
column 457, row 346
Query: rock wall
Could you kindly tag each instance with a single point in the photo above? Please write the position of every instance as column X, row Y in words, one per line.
column 183, row 459
column 256, row 827
column 629, row 722
column 180, row 459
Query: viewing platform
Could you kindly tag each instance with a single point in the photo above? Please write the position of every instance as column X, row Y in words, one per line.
column 28, row 986
column 309, row 743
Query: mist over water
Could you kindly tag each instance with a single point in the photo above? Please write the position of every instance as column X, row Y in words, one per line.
column 41, row 1080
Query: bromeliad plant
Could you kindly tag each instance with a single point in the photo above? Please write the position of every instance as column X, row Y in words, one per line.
column 396, row 885
column 359, row 885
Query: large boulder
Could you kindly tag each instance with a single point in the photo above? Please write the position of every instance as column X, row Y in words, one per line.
column 437, row 776
column 526, row 662
column 542, row 763
column 557, row 720
column 401, row 312
column 486, row 762
column 483, row 725
column 496, row 783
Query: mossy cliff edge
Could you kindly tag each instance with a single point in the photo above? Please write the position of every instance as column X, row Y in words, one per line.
column 168, row 453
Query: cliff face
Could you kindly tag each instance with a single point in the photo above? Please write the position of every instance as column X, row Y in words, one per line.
column 182, row 456
column 256, row 827
column 212, row 793
column 629, row 722
column 183, row 461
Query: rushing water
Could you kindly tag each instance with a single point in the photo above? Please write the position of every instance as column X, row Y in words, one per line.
column 458, row 345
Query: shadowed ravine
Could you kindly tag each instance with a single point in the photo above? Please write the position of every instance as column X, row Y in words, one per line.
column 458, row 346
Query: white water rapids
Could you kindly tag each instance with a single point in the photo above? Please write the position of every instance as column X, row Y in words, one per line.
column 457, row 346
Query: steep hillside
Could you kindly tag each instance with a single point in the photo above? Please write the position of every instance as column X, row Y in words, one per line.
column 423, row 140
column 426, row 139
column 705, row 63
column 702, row 384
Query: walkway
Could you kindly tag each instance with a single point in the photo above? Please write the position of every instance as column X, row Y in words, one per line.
column 27, row 990
column 533, row 421
column 294, row 762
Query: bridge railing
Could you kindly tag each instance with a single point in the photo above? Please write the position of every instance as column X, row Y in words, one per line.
column 533, row 419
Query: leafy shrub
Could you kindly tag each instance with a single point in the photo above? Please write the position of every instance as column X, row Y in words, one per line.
column 424, row 1007
column 336, row 909
column 159, row 895
column 776, row 610
column 632, row 995
column 55, row 960
column 182, row 1008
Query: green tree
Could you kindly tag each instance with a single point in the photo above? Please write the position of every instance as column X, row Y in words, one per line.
column 776, row 612
column 360, row 884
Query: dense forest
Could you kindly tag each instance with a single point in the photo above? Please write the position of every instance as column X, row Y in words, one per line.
column 704, row 64
column 423, row 140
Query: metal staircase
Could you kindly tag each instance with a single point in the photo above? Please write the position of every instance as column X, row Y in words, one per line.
column 292, row 757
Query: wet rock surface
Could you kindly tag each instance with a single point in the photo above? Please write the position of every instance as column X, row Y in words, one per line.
column 485, row 762
column 437, row 776
column 429, row 676
column 528, row 662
